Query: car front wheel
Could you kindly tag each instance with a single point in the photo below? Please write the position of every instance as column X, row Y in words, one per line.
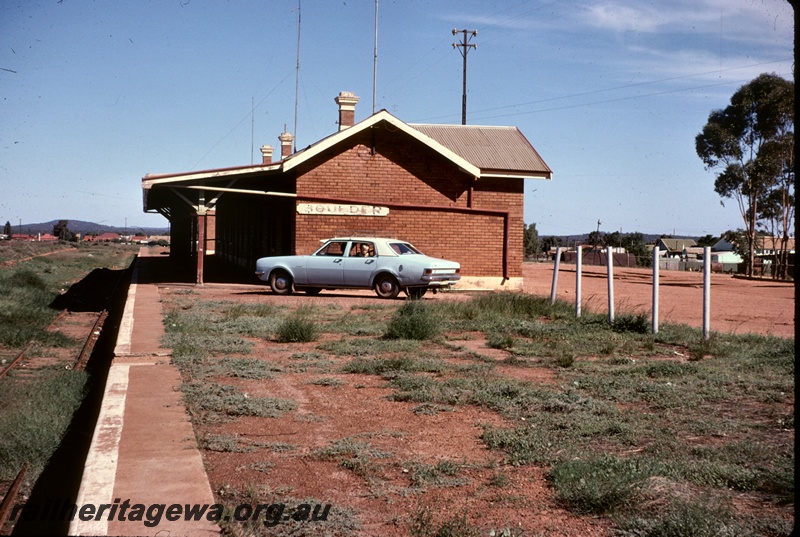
column 281, row 283
column 386, row 286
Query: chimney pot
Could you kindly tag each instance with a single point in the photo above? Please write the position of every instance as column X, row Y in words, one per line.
column 266, row 154
column 347, row 109
column 286, row 139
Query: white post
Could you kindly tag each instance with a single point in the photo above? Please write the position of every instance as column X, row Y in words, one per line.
column 578, row 261
column 610, row 264
column 555, row 276
column 655, row 289
column 706, row 291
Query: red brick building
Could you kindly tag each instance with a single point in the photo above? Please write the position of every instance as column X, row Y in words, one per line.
column 454, row 191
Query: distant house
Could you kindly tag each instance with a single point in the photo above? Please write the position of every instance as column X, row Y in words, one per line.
column 772, row 245
column 107, row 237
column 47, row 237
column 723, row 252
column 139, row 239
column 675, row 247
column 21, row 237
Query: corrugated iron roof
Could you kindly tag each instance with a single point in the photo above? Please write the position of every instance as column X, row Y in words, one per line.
column 503, row 150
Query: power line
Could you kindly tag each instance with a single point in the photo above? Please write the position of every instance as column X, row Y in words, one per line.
column 627, row 86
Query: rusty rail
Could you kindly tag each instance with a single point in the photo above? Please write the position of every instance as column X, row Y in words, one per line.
column 88, row 345
column 11, row 495
column 15, row 360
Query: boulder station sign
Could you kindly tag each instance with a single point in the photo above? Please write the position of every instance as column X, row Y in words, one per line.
column 339, row 209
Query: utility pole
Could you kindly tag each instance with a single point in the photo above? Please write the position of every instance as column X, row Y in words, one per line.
column 296, row 79
column 375, row 61
column 463, row 48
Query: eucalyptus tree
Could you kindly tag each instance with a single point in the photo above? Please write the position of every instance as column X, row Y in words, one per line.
column 750, row 142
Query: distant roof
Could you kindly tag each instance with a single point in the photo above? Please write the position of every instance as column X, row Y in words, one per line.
column 676, row 245
column 500, row 149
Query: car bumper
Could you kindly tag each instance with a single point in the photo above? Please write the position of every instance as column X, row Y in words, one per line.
column 440, row 279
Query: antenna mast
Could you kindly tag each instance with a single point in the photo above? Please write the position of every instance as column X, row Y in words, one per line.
column 297, row 78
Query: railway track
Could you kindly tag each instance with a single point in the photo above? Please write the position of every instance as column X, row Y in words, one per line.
column 96, row 300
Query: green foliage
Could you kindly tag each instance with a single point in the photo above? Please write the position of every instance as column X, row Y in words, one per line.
column 597, row 486
column 63, row 233
column 532, row 246
column 413, row 320
column 25, row 310
column 637, row 323
column 684, row 518
column 36, row 414
column 218, row 401
column 751, row 143
column 353, row 455
column 391, row 366
column 423, row 524
column 297, row 328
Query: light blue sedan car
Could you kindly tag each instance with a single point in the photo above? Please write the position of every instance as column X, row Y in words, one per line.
column 385, row 265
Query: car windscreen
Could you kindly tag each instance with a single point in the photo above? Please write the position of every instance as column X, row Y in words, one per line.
column 403, row 248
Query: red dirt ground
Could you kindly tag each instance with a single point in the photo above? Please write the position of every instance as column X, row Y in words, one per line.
column 381, row 495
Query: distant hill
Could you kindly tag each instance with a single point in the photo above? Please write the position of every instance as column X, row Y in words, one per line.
column 82, row 227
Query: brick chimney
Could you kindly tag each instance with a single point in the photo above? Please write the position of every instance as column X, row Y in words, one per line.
column 266, row 154
column 286, row 139
column 347, row 109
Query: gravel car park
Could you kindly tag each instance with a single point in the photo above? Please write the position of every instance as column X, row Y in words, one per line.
column 385, row 265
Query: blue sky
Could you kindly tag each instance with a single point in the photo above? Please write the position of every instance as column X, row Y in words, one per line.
column 611, row 93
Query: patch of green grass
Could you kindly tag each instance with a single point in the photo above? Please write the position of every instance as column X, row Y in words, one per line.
column 597, row 486
column 259, row 309
column 392, row 366
column 303, row 361
column 500, row 340
column 225, row 443
column 637, row 323
column 200, row 368
column 25, row 310
column 442, row 474
column 216, row 401
column 430, row 409
column 370, row 347
column 414, row 320
column 682, row 518
column 332, row 382
column 35, row 416
column 352, row 454
column 297, row 328
column 422, row 523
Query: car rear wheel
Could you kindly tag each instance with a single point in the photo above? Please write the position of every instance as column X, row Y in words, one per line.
column 416, row 292
column 281, row 283
column 386, row 286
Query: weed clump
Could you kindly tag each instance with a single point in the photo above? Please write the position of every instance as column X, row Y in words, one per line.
column 597, row 486
column 413, row 321
column 635, row 323
column 297, row 329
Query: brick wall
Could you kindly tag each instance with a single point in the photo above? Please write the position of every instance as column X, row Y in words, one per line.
column 382, row 168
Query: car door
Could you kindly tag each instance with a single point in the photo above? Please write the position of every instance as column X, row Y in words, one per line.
column 360, row 264
column 325, row 267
